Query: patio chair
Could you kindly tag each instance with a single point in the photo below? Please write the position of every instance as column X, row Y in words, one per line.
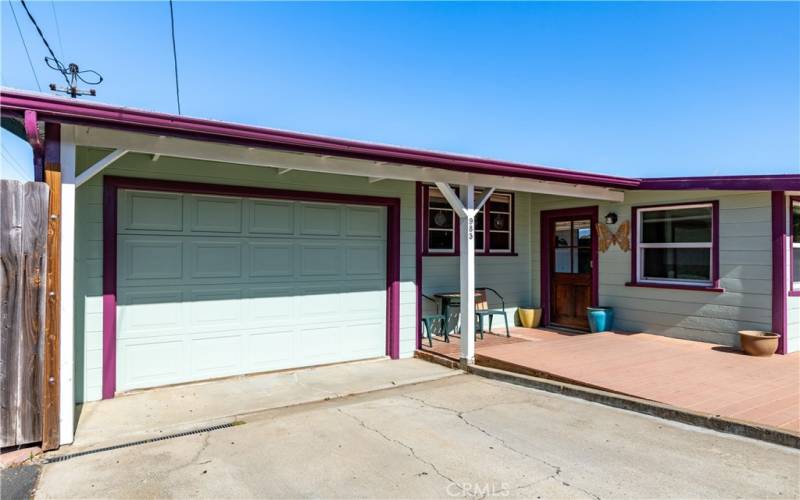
column 430, row 322
column 483, row 310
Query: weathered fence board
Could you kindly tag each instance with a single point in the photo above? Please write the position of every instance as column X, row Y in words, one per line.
column 23, row 252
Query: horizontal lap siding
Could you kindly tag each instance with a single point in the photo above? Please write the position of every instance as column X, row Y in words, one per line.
column 89, row 217
column 745, row 270
column 509, row 275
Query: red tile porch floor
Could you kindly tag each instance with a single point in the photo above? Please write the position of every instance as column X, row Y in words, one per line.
column 692, row 375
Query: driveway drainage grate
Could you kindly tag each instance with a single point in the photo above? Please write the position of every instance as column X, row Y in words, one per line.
column 62, row 458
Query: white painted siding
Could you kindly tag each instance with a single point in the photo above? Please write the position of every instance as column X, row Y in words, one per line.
column 745, row 270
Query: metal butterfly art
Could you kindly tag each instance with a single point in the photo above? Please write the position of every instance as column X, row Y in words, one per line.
column 608, row 238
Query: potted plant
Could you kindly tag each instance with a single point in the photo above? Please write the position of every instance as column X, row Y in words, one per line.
column 758, row 343
column 601, row 319
column 529, row 317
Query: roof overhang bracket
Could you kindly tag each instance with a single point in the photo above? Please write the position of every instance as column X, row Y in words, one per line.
column 99, row 166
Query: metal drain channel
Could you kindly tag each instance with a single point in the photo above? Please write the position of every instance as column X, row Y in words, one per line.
column 70, row 456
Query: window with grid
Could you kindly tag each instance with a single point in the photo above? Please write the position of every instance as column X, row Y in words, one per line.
column 675, row 244
column 493, row 225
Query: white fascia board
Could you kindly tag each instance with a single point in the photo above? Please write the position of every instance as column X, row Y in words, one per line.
column 285, row 161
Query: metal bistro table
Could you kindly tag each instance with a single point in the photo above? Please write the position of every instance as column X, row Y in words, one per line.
column 448, row 300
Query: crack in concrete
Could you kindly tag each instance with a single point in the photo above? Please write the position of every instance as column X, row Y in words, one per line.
column 407, row 447
column 195, row 458
column 462, row 415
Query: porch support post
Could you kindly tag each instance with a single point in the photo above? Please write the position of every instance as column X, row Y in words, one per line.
column 468, row 274
column 466, row 209
column 68, row 188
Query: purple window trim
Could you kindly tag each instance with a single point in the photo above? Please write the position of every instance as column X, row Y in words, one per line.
column 780, row 288
column 457, row 233
column 546, row 218
column 419, row 210
column 794, row 287
column 111, row 187
column 715, row 280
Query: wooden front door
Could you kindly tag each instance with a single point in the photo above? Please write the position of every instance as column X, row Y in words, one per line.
column 571, row 262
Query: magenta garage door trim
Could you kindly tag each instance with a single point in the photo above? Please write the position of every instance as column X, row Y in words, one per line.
column 111, row 187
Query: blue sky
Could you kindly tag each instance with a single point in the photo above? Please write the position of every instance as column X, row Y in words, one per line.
column 636, row 89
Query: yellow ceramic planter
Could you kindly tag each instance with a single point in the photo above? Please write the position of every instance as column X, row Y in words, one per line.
column 529, row 318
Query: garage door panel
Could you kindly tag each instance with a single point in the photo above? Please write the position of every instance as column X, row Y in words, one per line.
column 320, row 260
column 270, row 305
column 215, row 355
column 365, row 259
column 270, row 349
column 215, row 259
column 319, row 219
column 271, row 259
column 142, row 210
column 214, row 307
column 149, row 259
column 215, row 214
column 368, row 302
column 153, row 363
column 269, row 217
column 245, row 285
column 365, row 221
column 149, row 312
column 314, row 303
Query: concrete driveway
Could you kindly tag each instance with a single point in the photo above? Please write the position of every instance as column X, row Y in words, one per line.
column 463, row 436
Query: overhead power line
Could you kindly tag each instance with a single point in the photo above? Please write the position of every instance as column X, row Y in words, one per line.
column 22, row 38
column 175, row 56
column 58, row 27
column 71, row 73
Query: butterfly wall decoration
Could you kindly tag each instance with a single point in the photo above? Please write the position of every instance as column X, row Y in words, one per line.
column 607, row 238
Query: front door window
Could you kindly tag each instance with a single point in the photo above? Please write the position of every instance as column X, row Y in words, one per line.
column 571, row 268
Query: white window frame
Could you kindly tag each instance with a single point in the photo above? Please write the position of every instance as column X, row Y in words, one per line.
column 487, row 223
column 641, row 247
column 433, row 191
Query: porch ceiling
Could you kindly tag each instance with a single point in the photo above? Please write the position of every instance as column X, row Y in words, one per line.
column 284, row 161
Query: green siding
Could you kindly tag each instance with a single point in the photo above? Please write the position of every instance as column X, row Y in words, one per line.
column 88, row 296
column 509, row 275
column 745, row 270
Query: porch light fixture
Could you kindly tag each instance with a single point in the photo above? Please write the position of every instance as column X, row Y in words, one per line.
column 611, row 218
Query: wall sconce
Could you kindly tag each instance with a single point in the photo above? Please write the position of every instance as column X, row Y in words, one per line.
column 611, row 218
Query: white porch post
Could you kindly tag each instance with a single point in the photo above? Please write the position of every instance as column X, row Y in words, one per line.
column 67, row 397
column 468, row 274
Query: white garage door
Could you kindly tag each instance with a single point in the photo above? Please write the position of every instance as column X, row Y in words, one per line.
column 211, row 286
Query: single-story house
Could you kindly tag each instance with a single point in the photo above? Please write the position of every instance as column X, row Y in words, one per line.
column 188, row 249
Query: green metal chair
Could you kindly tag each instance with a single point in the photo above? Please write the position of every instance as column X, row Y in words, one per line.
column 434, row 324
column 482, row 309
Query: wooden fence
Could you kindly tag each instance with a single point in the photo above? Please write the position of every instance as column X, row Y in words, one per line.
column 23, row 262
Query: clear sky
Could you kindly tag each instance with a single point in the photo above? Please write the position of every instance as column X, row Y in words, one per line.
column 636, row 89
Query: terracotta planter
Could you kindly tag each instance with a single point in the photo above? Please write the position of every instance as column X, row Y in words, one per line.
column 757, row 343
column 529, row 318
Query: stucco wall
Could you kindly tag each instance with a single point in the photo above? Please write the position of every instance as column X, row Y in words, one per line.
column 89, row 220
column 745, row 270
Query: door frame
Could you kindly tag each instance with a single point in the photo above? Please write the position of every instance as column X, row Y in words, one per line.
column 547, row 217
column 111, row 187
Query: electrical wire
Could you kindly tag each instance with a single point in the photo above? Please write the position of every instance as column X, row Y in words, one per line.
column 58, row 27
column 14, row 13
column 13, row 163
column 46, row 44
column 54, row 63
column 175, row 56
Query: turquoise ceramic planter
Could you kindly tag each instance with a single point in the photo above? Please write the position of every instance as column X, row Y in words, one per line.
column 601, row 319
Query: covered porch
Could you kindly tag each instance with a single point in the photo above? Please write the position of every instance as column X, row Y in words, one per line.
column 696, row 376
